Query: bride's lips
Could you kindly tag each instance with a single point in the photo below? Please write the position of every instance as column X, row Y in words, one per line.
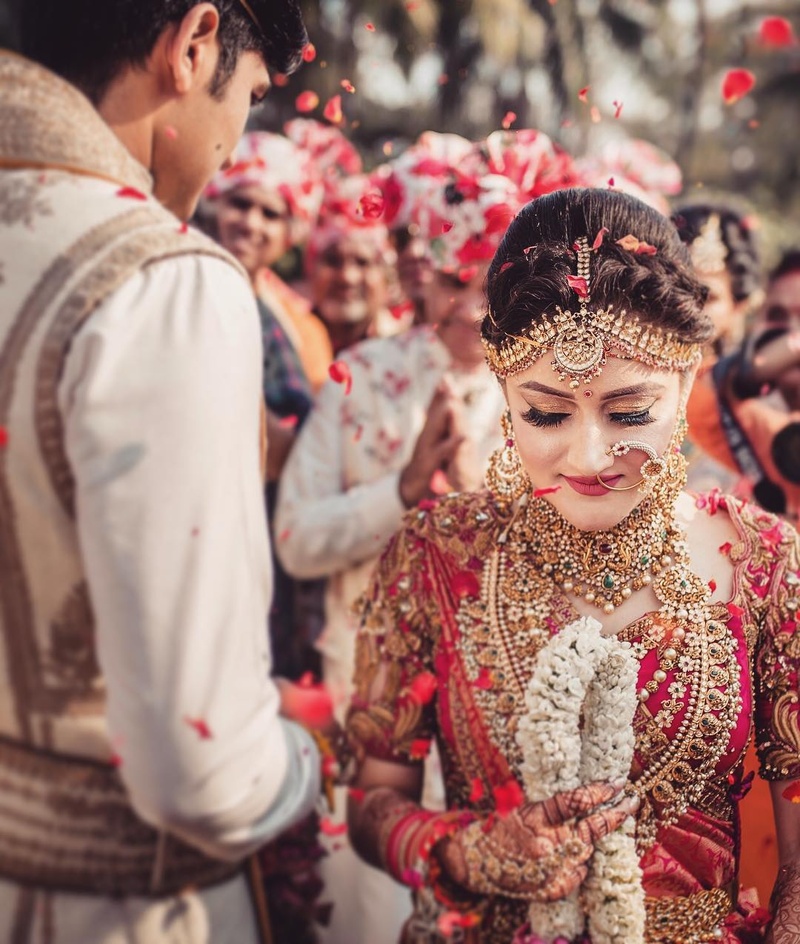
column 590, row 486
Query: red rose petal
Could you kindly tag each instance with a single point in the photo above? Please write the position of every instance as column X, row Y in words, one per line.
column 578, row 285
column 370, row 27
column 423, row 687
column 508, row 119
column 725, row 548
column 776, row 31
column 583, row 94
column 645, row 249
column 201, row 726
column 328, row 828
column 371, row 206
column 506, row 265
column 598, row 240
column 508, row 797
column 309, row 52
column 465, row 584
column 617, row 109
column 339, row 372
column 736, row 84
column 280, row 80
column 131, row 193
column 306, row 101
column 792, row 792
column 712, row 585
column 308, row 702
column 439, row 484
column 419, row 748
column 333, row 110
column 348, row 86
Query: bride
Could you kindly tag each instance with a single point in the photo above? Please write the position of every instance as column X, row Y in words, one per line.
column 594, row 330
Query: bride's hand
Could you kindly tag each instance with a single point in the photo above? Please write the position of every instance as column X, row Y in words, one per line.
column 540, row 850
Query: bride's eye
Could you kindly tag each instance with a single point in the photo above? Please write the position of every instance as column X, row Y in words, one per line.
column 642, row 418
column 539, row 418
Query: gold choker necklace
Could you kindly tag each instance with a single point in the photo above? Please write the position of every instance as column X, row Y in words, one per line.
column 605, row 568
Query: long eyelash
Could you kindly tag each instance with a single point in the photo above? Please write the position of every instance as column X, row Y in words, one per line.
column 549, row 420
column 642, row 418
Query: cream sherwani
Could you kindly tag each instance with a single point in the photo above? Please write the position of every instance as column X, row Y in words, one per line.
column 141, row 752
column 338, row 505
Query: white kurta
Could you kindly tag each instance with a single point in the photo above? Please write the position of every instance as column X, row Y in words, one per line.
column 160, row 398
column 338, row 505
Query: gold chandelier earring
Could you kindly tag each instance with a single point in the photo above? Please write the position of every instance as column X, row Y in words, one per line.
column 505, row 477
column 651, row 469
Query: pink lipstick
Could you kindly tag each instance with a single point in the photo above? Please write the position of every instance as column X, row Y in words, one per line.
column 590, row 486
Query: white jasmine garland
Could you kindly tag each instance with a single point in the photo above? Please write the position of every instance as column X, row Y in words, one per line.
column 583, row 676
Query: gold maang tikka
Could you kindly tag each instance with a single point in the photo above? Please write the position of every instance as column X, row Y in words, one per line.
column 581, row 341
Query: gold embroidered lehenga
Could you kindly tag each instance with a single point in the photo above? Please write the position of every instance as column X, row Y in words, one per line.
column 434, row 608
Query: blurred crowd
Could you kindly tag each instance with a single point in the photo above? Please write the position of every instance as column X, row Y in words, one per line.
column 369, row 286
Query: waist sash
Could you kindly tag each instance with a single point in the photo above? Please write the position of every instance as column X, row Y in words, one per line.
column 66, row 824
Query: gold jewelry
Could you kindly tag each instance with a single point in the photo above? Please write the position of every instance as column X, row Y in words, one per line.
column 505, row 476
column 652, row 467
column 581, row 342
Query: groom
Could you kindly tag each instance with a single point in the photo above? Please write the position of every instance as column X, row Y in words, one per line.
column 142, row 756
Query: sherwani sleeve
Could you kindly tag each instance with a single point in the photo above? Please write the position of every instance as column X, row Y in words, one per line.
column 160, row 400
column 326, row 520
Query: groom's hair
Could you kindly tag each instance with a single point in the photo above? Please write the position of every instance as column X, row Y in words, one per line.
column 88, row 42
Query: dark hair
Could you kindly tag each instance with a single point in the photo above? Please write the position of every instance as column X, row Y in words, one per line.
column 741, row 259
column 528, row 275
column 788, row 264
column 88, row 42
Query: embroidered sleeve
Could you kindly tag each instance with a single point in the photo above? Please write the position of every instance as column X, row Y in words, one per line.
column 777, row 656
column 391, row 715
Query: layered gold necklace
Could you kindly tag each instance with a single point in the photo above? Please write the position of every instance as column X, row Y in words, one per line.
column 605, row 568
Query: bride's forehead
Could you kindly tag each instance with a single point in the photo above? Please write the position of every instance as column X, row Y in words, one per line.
column 617, row 373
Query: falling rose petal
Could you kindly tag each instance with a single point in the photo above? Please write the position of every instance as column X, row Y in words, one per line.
column 306, row 101
column 792, row 792
column 201, row 726
column 465, row 584
column 412, row 878
column 712, row 585
column 617, row 108
column 183, row 229
column 419, row 748
column 476, row 791
column 776, row 31
column 629, row 242
column 370, row 27
column 339, row 372
column 371, row 206
column 309, row 52
column 280, row 80
column 356, row 794
column 736, row 84
column 583, row 95
column 484, row 681
column 3, row 437
column 333, row 110
column 423, row 687
column 358, row 434
column 171, row 132
column 578, row 285
column 645, row 249
column 506, row 265
column 508, row 797
column 348, row 86
column 550, row 490
column 509, row 118
column 328, row 828
column 439, row 484
column 288, row 422
column 611, row 182
column 598, row 240
column 725, row 548
column 131, row 193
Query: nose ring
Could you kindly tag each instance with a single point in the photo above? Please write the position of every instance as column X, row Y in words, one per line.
column 650, row 470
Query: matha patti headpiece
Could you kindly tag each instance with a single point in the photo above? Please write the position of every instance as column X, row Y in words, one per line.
column 580, row 342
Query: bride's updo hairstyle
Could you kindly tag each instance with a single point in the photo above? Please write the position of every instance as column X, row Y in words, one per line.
column 528, row 275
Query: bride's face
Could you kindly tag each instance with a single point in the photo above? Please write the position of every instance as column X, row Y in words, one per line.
column 564, row 435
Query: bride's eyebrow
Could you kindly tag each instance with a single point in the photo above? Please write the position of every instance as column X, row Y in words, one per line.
column 537, row 387
column 651, row 389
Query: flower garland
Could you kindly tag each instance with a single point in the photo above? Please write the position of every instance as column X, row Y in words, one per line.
column 579, row 728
